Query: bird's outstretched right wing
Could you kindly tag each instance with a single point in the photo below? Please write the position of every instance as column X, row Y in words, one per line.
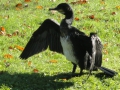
column 48, row 34
column 97, row 55
column 96, row 49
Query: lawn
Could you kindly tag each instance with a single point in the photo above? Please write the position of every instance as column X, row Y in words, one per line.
column 50, row 70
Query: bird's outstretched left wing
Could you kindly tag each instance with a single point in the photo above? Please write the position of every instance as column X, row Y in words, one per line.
column 48, row 34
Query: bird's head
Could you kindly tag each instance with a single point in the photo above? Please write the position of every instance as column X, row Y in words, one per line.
column 63, row 8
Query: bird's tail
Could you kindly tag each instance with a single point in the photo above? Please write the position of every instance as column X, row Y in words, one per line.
column 107, row 71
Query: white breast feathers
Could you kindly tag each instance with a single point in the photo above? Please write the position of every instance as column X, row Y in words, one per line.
column 68, row 49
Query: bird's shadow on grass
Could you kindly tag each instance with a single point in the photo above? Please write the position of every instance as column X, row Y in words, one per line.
column 99, row 75
column 39, row 81
column 103, row 76
column 33, row 81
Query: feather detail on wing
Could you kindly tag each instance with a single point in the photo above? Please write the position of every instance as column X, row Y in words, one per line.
column 48, row 34
column 95, row 58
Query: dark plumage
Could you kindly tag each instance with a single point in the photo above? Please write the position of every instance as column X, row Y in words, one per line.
column 82, row 50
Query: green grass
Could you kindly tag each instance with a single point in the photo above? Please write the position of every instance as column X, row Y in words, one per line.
column 17, row 74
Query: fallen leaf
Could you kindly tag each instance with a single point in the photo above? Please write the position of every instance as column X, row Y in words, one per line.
column 10, row 48
column 83, row 1
column 27, row 0
column 117, row 7
column 8, row 56
column 80, row 2
column 29, row 63
column 18, row 6
column 19, row 47
column 35, row 70
column 28, row 26
column 2, row 31
column 76, row 18
column 106, row 59
column 66, row 0
column 15, row 33
column 53, row 61
column 105, row 51
column 91, row 16
column 102, row 2
column 39, row 7
column 9, row 35
column 105, row 45
column 73, row 3
column 113, row 13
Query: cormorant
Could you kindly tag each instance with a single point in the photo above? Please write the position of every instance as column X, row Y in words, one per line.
column 82, row 50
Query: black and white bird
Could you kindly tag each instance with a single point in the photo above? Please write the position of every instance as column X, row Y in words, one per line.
column 82, row 50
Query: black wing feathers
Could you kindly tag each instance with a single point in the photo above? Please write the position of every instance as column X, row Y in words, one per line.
column 96, row 48
column 48, row 34
column 98, row 55
column 98, row 58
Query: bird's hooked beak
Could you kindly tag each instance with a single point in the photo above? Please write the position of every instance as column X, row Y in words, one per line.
column 56, row 9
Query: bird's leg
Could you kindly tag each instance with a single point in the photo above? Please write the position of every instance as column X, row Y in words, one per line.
column 87, row 77
column 81, row 66
column 92, row 59
column 91, row 68
column 81, row 71
column 74, row 68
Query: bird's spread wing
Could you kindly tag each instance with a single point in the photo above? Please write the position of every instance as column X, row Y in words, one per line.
column 97, row 56
column 48, row 34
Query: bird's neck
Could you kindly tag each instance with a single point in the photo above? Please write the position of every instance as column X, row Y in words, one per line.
column 69, row 17
column 66, row 23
